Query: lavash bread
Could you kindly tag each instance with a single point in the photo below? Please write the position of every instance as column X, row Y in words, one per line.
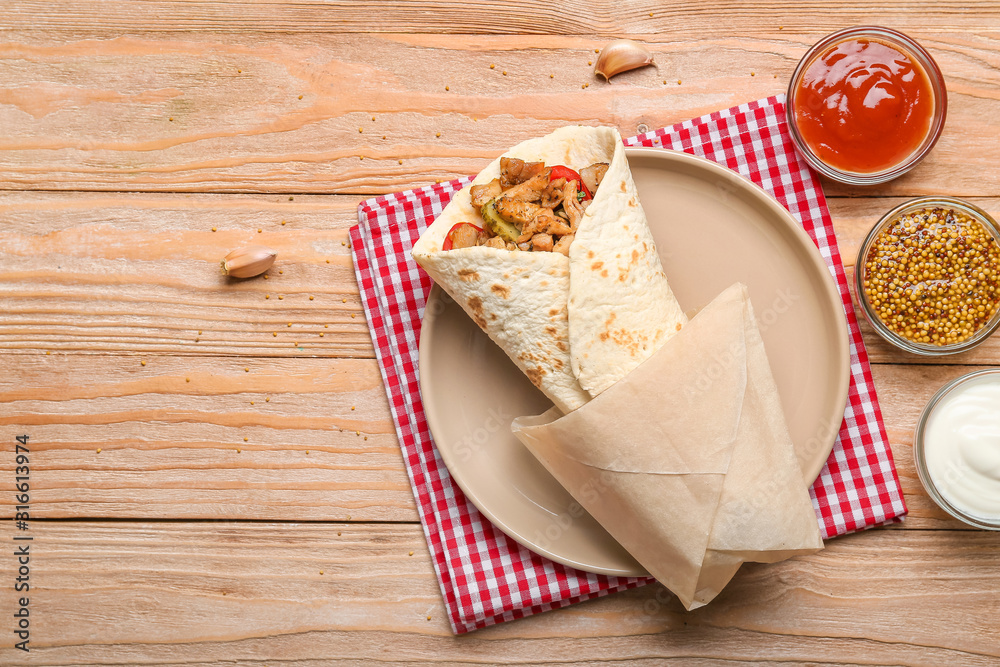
column 574, row 325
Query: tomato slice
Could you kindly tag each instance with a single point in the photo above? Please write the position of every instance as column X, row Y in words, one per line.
column 447, row 245
column 560, row 171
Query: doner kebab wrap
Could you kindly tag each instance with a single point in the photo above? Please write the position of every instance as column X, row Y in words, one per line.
column 563, row 275
column 670, row 434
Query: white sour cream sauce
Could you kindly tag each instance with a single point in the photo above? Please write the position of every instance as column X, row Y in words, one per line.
column 962, row 447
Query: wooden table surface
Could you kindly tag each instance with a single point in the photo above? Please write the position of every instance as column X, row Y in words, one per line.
column 214, row 474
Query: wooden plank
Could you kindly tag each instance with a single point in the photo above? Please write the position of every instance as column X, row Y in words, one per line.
column 225, row 593
column 728, row 17
column 258, row 112
column 139, row 274
column 219, row 438
column 320, row 443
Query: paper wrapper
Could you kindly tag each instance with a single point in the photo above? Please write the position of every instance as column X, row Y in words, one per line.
column 687, row 461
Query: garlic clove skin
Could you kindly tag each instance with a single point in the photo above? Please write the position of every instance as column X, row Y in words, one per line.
column 248, row 262
column 620, row 56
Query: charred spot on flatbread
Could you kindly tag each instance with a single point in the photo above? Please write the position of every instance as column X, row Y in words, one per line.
column 476, row 306
column 500, row 290
column 596, row 265
column 468, row 275
column 535, row 375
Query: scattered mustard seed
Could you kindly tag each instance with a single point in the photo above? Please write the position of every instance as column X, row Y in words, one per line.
column 98, row 450
column 361, row 130
column 411, row 553
column 400, row 162
column 311, row 298
column 283, row 223
column 214, row 229
column 267, row 400
column 143, row 363
column 239, row 451
column 504, row 72
column 373, row 119
column 246, row 370
column 251, row 402
column 321, row 335
column 447, row 88
column 300, row 97
column 267, row 296
column 245, row 440
column 281, row 298
column 492, row 66
column 187, row 379
column 260, row 231
column 438, row 134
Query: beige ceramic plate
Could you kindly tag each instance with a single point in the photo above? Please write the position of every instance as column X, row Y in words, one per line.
column 712, row 228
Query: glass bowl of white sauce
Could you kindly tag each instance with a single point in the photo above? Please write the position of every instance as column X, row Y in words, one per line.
column 957, row 448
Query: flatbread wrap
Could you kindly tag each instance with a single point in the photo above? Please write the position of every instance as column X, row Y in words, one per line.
column 575, row 311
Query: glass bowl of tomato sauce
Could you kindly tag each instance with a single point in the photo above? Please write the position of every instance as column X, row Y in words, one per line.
column 865, row 105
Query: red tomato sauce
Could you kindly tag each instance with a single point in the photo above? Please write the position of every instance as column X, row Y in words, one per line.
column 863, row 106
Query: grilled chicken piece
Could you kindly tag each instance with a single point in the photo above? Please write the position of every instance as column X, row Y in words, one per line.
column 495, row 242
column 571, row 204
column 481, row 194
column 553, row 196
column 530, row 190
column 517, row 211
column 562, row 245
column 465, row 236
column 541, row 242
column 593, row 175
column 514, row 171
column 557, row 227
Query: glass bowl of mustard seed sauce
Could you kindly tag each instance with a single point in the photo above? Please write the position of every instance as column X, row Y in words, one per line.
column 928, row 276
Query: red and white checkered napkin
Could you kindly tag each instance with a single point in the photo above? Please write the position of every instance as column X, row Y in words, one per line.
column 485, row 576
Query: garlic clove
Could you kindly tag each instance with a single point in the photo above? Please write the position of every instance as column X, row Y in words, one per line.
column 248, row 262
column 620, row 56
